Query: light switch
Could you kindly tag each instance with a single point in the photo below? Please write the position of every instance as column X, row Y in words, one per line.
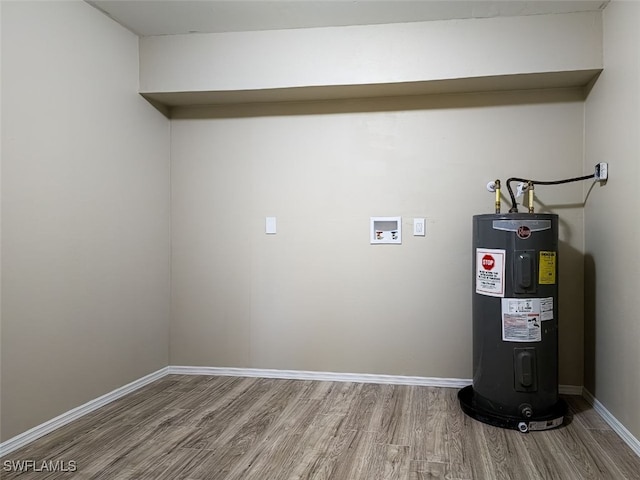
column 418, row 227
column 270, row 225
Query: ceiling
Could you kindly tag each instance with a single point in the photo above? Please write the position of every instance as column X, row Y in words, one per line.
column 173, row 17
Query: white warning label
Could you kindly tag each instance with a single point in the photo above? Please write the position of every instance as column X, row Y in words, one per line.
column 545, row 425
column 490, row 272
column 546, row 308
column 521, row 320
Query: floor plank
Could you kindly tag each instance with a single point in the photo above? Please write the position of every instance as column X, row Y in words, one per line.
column 226, row 428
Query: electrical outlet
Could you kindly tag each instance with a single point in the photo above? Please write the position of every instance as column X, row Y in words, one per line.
column 522, row 187
column 602, row 171
column 418, row 227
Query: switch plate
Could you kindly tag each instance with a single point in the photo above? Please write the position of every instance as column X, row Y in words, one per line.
column 270, row 225
column 418, row 227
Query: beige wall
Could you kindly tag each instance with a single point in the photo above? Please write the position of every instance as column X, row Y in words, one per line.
column 317, row 295
column 373, row 54
column 85, row 213
column 612, row 231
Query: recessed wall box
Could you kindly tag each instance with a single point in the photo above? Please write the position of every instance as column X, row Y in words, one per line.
column 386, row 230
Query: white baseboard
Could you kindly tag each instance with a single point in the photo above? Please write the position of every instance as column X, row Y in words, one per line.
column 40, row 430
column 613, row 422
column 341, row 377
column 325, row 376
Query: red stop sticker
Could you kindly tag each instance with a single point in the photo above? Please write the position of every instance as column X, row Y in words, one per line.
column 488, row 262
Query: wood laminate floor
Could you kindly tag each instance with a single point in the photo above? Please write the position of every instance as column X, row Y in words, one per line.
column 201, row 427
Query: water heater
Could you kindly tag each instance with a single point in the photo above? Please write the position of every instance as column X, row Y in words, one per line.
column 515, row 322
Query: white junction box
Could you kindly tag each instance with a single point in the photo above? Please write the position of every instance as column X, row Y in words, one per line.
column 386, row 230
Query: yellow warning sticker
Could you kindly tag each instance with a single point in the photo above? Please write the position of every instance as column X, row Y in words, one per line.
column 547, row 268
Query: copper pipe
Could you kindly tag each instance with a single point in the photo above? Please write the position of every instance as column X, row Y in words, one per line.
column 498, row 196
column 530, row 188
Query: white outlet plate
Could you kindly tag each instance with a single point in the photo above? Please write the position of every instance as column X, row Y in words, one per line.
column 602, row 172
column 418, row 227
